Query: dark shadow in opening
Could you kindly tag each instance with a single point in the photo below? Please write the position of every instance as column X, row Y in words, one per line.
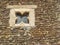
column 22, row 17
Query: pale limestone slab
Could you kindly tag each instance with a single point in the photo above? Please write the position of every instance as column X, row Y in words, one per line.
column 21, row 6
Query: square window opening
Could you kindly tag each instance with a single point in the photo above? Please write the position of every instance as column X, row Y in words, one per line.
column 22, row 17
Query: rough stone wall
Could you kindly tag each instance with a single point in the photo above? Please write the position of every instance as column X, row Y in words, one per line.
column 46, row 31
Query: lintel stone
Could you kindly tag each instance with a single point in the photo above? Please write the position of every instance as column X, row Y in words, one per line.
column 21, row 6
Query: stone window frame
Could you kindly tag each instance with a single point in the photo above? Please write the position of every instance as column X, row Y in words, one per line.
column 22, row 8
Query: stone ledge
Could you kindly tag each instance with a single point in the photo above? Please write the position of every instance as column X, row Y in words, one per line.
column 21, row 6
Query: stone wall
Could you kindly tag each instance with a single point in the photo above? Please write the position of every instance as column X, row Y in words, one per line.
column 46, row 31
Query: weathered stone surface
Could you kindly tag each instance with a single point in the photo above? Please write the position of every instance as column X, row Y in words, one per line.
column 46, row 32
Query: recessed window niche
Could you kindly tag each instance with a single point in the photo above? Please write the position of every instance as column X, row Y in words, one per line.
column 22, row 15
